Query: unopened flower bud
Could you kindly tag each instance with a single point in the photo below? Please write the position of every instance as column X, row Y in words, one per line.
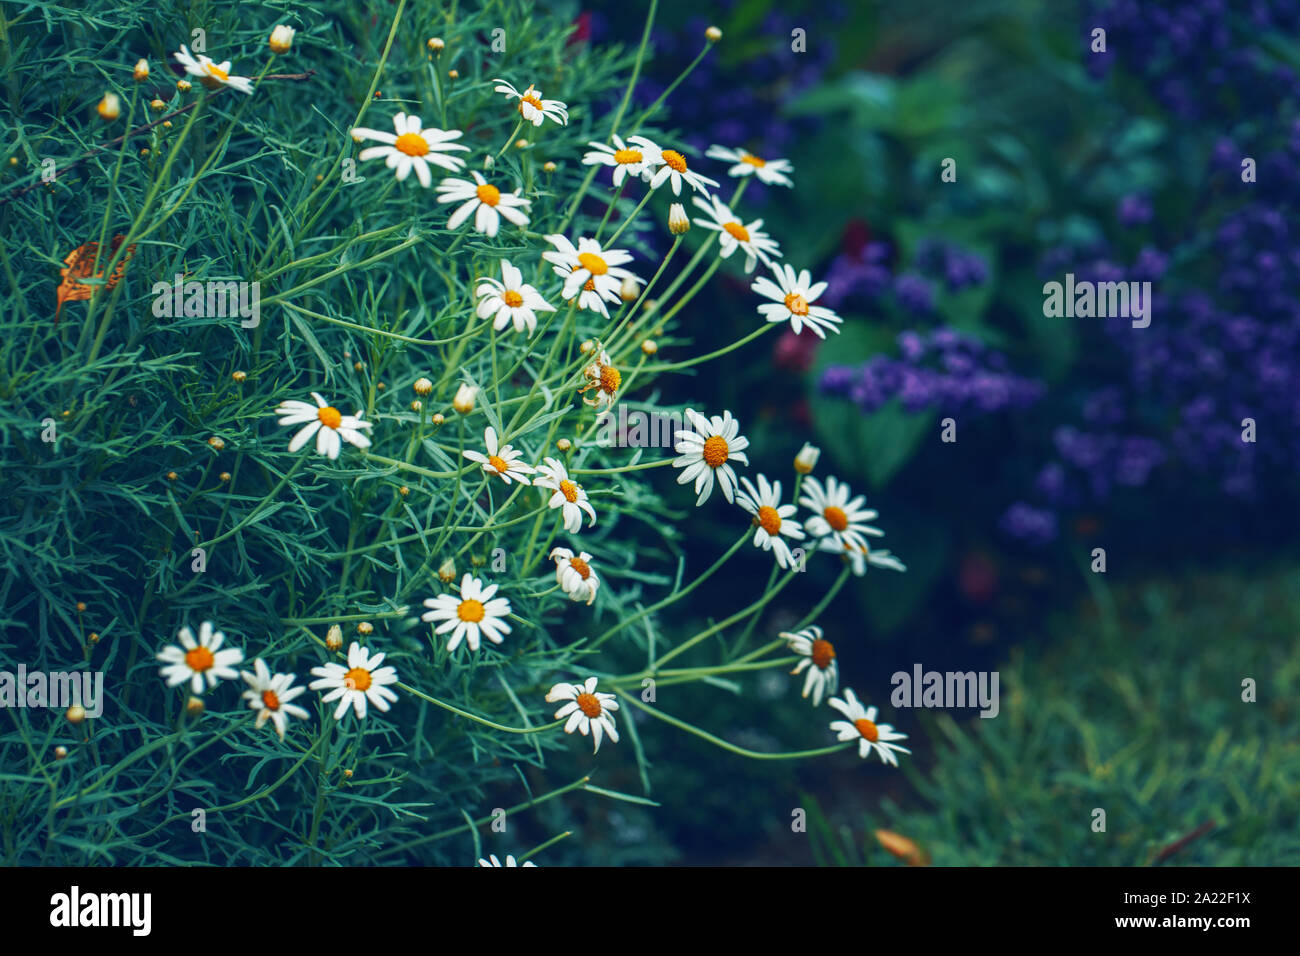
column 549, row 166
column 282, row 39
column 141, row 71
column 365, row 628
column 806, row 460
column 93, row 638
column 183, row 85
column 404, row 491
column 417, row 405
column 447, row 571
column 172, row 476
column 453, row 74
column 423, row 386
column 81, row 607
column 678, row 223
column 713, row 34
column 110, row 107
column 239, row 376
column 436, row 44
column 75, row 714
column 464, row 400
column 649, row 346
column 564, row 444
column 334, row 638
column 223, row 477
column 60, row 753
column 217, row 442
column 438, row 418
column 194, row 705
column 629, row 289
column 157, row 105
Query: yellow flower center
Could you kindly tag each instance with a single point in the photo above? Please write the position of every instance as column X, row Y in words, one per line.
column 270, row 701
column 753, row 160
column 412, row 144
column 581, row 566
column 610, row 379
column 769, row 520
column 625, row 156
column 836, row 518
column 216, row 71
column 488, row 194
column 823, row 652
column 199, row 659
column 512, row 298
column 867, row 729
column 357, row 679
column 589, row 704
column 471, row 611
column 531, row 100
column 716, row 451
column 796, row 303
column 674, row 160
column 593, row 263
column 737, row 230
column 499, row 463
column 569, row 490
column 330, row 417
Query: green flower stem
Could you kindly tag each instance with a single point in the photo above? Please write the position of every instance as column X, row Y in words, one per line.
column 613, row 201
column 612, row 337
column 549, row 843
column 712, row 355
column 310, row 283
column 658, row 463
column 727, row 622
column 630, row 218
column 403, row 611
column 687, row 674
column 653, row 107
column 509, row 139
column 260, row 507
column 825, row 601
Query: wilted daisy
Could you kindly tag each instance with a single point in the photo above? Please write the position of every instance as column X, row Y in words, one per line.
column 471, row 616
column 490, row 202
column 774, row 522
column 361, row 681
column 212, row 75
column 510, row 300
column 626, row 160
column 200, row 662
column 834, row 515
column 818, row 660
column 412, row 146
column 707, row 450
column 770, row 171
column 532, row 107
column 669, row 165
column 602, row 376
column 733, row 234
column 510, row 861
column 501, row 460
column 861, row 725
column 793, row 296
column 567, row 494
column 330, row 426
column 574, row 575
column 860, row 557
column 588, row 710
column 269, row 694
column 597, row 272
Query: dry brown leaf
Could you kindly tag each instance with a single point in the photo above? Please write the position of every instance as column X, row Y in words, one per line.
column 76, row 268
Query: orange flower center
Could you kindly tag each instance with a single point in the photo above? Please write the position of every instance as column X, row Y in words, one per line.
column 593, row 263
column 674, row 160
column 769, row 520
column 753, row 160
column 716, row 451
column 216, row 71
column 581, row 566
column 569, row 490
column 531, row 100
column 589, row 704
column 737, row 230
column 625, row 156
column 836, row 518
column 823, row 652
column 357, row 679
column 412, row 144
column 610, row 379
column 512, row 298
column 471, row 611
column 499, row 463
column 270, row 701
column 590, row 285
column 199, row 659
column 796, row 303
column 330, row 417
column 867, row 729
column 488, row 194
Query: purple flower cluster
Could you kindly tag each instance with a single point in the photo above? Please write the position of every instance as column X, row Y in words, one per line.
column 943, row 369
column 867, row 275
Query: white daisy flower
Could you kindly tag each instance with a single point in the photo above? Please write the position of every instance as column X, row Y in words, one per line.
column 793, row 297
column 502, row 461
column 412, row 146
column 510, row 861
column 361, row 681
column 775, row 526
column 823, row 671
column 596, row 272
column 626, row 160
column 861, row 725
column 669, row 165
column 330, row 426
column 733, row 234
column 532, row 107
column 770, row 171
column 574, row 575
column 212, row 75
column 707, row 450
column 269, row 694
column 200, row 662
column 588, row 710
column 568, row 494
column 510, row 300
column 492, row 204
column 859, row 557
column 604, row 378
column 834, row 515
column 471, row 616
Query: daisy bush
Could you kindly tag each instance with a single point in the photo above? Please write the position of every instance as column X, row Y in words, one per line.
column 316, row 320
